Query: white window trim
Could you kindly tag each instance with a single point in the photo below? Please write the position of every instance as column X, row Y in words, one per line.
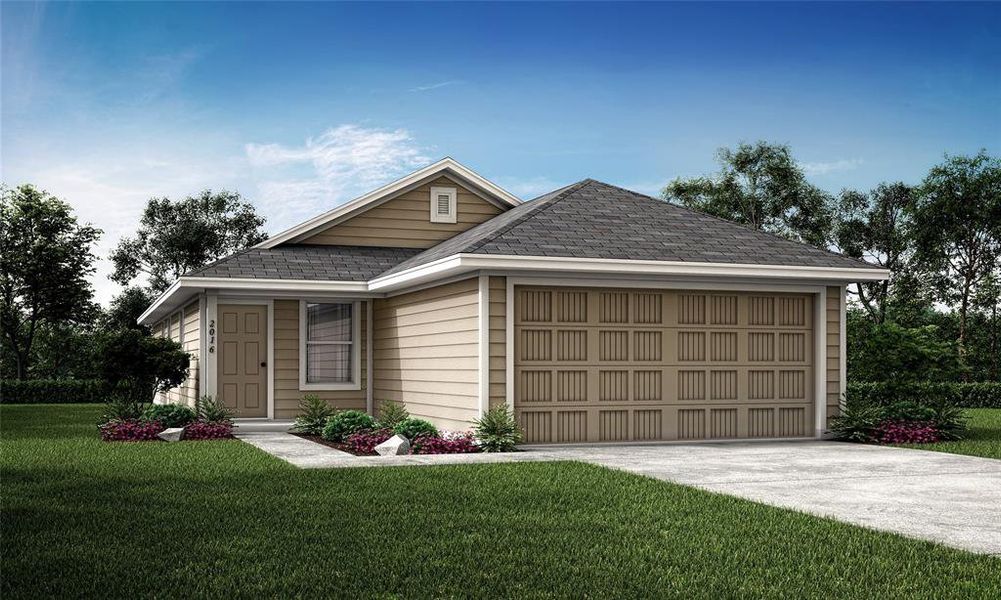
column 355, row 383
column 452, row 194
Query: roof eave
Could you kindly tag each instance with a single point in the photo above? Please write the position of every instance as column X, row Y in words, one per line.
column 461, row 263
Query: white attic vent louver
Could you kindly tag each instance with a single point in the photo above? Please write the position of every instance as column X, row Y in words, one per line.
column 443, row 209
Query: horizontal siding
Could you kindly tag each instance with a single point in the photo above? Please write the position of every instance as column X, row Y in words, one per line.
column 498, row 341
column 405, row 221
column 286, row 368
column 192, row 345
column 425, row 352
column 833, row 312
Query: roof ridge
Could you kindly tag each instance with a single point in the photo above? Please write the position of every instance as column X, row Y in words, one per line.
column 739, row 224
column 535, row 210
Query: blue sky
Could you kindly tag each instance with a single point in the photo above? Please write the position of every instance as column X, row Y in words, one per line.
column 302, row 106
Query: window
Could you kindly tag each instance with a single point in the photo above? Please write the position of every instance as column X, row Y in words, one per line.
column 329, row 345
column 443, row 205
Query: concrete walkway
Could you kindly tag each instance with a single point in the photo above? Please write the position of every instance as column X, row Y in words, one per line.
column 946, row 498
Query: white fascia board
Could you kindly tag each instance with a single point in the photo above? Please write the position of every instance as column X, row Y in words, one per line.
column 459, row 263
column 443, row 165
column 185, row 286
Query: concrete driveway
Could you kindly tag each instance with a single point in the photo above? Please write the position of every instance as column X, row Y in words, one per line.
column 947, row 498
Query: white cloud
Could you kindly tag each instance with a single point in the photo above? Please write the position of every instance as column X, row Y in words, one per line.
column 435, row 86
column 345, row 160
column 823, row 168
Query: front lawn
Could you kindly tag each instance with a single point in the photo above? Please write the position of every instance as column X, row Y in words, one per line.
column 85, row 518
column 983, row 437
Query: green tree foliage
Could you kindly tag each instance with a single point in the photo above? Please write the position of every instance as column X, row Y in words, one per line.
column 874, row 226
column 139, row 365
column 126, row 307
column 957, row 230
column 176, row 237
column 762, row 186
column 894, row 354
column 45, row 259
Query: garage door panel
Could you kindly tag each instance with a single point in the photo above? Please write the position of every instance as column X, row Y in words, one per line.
column 618, row 365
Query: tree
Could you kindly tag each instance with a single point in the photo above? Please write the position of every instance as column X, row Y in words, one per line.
column 762, row 186
column 175, row 237
column 957, row 227
column 45, row 259
column 894, row 354
column 874, row 226
column 137, row 365
column 125, row 309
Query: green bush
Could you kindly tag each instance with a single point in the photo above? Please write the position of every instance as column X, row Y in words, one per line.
column 170, row 415
column 857, row 423
column 965, row 395
column 346, row 422
column 53, row 391
column 412, row 428
column 313, row 415
column 392, row 414
column 497, row 430
column 212, row 410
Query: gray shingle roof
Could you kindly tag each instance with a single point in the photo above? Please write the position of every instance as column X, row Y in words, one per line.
column 588, row 219
column 328, row 263
column 591, row 219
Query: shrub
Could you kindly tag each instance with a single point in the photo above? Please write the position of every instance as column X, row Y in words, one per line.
column 131, row 430
column 346, row 422
column 212, row 410
column 52, row 391
column 497, row 431
column 392, row 414
column 447, row 443
column 949, row 422
column 967, row 395
column 906, row 432
column 364, row 442
column 171, row 415
column 412, row 428
column 205, row 430
column 857, row 423
column 139, row 364
column 314, row 413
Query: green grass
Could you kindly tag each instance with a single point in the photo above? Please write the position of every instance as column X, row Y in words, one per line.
column 983, row 437
column 84, row 518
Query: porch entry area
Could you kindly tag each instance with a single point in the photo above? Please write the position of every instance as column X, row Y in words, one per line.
column 243, row 355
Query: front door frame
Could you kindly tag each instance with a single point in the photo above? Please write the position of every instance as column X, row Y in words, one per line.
column 212, row 321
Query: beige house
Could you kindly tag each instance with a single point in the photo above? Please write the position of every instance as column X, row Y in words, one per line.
column 593, row 312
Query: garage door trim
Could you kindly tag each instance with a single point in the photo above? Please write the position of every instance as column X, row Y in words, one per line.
column 817, row 291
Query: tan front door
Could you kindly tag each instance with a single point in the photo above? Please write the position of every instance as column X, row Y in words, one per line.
column 243, row 355
column 603, row 365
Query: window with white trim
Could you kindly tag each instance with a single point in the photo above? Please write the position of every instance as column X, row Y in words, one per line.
column 329, row 345
column 443, row 204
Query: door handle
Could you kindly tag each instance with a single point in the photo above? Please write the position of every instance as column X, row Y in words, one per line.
column 264, row 363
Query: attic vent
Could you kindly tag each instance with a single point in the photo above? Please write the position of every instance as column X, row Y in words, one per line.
column 443, row 205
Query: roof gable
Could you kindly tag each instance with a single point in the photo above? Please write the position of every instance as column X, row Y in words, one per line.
column 448, row 167
column 404, row 220
column 591, row 219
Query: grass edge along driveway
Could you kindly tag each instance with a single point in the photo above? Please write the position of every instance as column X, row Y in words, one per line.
column 85, row 518
column 983, row 436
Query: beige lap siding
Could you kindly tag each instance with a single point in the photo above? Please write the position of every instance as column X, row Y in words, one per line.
column 426, row 353
column 286, row 357
column 191, row 323
column 405, row 221
column 833, row 311
column 498, row 341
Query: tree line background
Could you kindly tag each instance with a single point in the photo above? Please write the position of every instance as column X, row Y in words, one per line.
column 935, row 319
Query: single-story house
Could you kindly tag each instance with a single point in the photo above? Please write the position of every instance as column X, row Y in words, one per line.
column 595, row 313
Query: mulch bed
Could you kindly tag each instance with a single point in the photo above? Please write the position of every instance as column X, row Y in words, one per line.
column 336, row 445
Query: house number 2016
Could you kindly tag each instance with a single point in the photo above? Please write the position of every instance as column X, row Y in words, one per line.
column 212, row 336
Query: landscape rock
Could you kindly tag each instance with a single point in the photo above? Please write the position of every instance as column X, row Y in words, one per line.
column 171, row 434
column 394, row 446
